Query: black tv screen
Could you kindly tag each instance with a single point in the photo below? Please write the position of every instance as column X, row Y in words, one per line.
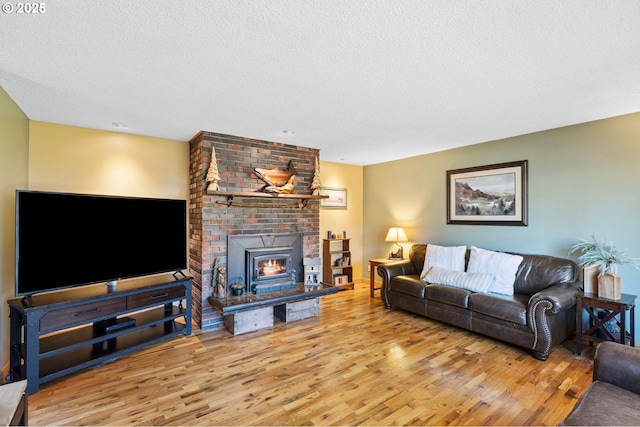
column 65, row 240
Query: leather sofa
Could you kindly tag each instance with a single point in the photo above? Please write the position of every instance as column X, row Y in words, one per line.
column 613, row 399
column 539, row 315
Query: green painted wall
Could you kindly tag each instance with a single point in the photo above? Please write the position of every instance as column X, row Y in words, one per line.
column 14, row 146
column 583, row 179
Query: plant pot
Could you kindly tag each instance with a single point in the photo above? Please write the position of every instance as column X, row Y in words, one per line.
column 609, row 286
column 590, row 278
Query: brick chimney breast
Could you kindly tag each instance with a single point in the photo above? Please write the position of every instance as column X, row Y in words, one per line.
column 211, row 223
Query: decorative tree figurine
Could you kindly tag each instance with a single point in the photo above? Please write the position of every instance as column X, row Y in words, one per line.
column 213, row 177
column 316, row 185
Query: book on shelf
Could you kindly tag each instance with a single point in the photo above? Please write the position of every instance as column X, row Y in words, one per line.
column 342, row 262
column 340, row 279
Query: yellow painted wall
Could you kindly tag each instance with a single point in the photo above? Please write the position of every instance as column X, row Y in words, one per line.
column 51, row 157
column 14, row 150
column 80, row 160
column 339, row 175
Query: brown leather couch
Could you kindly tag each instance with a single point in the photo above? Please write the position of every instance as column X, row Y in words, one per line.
column 540, row 315
column 613, row 399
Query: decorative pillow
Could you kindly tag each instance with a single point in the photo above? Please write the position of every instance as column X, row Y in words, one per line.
column 476, row 282
column 449, row 257
column 502, row 266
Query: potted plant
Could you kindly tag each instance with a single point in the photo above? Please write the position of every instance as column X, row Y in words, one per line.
column 605, row 258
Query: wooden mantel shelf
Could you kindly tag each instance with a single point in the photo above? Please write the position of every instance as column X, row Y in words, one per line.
column 302, row 199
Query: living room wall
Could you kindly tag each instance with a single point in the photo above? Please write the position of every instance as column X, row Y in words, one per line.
column 583, row 179
column 51, row 157
column 80, row 160
column 14, row 146
column 339, row 175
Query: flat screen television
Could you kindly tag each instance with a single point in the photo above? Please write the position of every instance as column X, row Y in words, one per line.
column 65, row 240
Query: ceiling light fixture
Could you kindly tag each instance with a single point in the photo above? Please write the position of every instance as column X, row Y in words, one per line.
column 118, row 125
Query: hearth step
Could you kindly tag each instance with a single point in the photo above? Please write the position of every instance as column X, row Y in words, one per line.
column 298, row 310
column 249, row 321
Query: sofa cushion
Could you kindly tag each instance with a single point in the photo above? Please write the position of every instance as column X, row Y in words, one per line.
column 411, row 285
column 503, row 267
column 537, row 272
column 604, row 404
column 448, row 295
column 509, row 308
column 449, row 257
column 476, row 282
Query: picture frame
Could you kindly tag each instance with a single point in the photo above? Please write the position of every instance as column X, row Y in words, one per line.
column 488, row 195
column 337, row 198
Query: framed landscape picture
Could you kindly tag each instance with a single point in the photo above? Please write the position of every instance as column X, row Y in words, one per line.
column 488, row 195
column 337, row 198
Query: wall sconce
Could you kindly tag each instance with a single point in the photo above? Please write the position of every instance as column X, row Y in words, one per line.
column 396, row 234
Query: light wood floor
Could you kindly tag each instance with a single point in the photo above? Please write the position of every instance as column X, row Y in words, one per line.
column 355, row 364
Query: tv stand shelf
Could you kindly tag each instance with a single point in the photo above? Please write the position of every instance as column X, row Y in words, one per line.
column 63, row 332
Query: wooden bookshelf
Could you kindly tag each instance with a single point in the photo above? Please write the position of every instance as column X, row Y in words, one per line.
column 336, row 263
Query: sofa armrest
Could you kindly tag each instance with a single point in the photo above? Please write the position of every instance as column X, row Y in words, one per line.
column 559, row 297
column 544, row 313
column 398, row 268
column 617, row 364
column 391, row 270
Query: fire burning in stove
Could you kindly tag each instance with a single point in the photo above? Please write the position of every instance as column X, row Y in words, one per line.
column 272, row 267
column 269, row 269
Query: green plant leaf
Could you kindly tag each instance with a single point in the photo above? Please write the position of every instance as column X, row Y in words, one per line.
column 602, row 255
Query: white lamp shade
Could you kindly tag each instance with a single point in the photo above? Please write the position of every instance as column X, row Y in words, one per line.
column 396, row 234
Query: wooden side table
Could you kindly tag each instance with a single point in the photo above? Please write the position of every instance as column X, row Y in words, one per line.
column 373, row 263
column 612, row 308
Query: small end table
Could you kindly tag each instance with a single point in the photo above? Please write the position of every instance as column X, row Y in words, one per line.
column 590, row 302
column 373, row 263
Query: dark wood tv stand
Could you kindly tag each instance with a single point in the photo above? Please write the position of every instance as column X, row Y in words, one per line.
column 57, row 333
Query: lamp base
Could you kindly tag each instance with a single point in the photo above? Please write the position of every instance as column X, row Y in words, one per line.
column 397, row 254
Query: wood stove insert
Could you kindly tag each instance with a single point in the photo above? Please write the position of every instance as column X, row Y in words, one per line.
column 269, row 269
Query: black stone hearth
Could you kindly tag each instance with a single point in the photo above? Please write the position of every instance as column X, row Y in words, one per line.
column 233, row 304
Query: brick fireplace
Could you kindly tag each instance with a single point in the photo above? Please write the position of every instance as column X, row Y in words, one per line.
column 212, row 221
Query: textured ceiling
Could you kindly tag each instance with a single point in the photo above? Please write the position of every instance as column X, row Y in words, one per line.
column 365, row 81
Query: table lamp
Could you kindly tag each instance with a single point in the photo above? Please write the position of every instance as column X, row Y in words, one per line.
column 396, row 234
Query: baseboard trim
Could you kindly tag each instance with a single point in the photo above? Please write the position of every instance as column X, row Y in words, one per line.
column 5, row 372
